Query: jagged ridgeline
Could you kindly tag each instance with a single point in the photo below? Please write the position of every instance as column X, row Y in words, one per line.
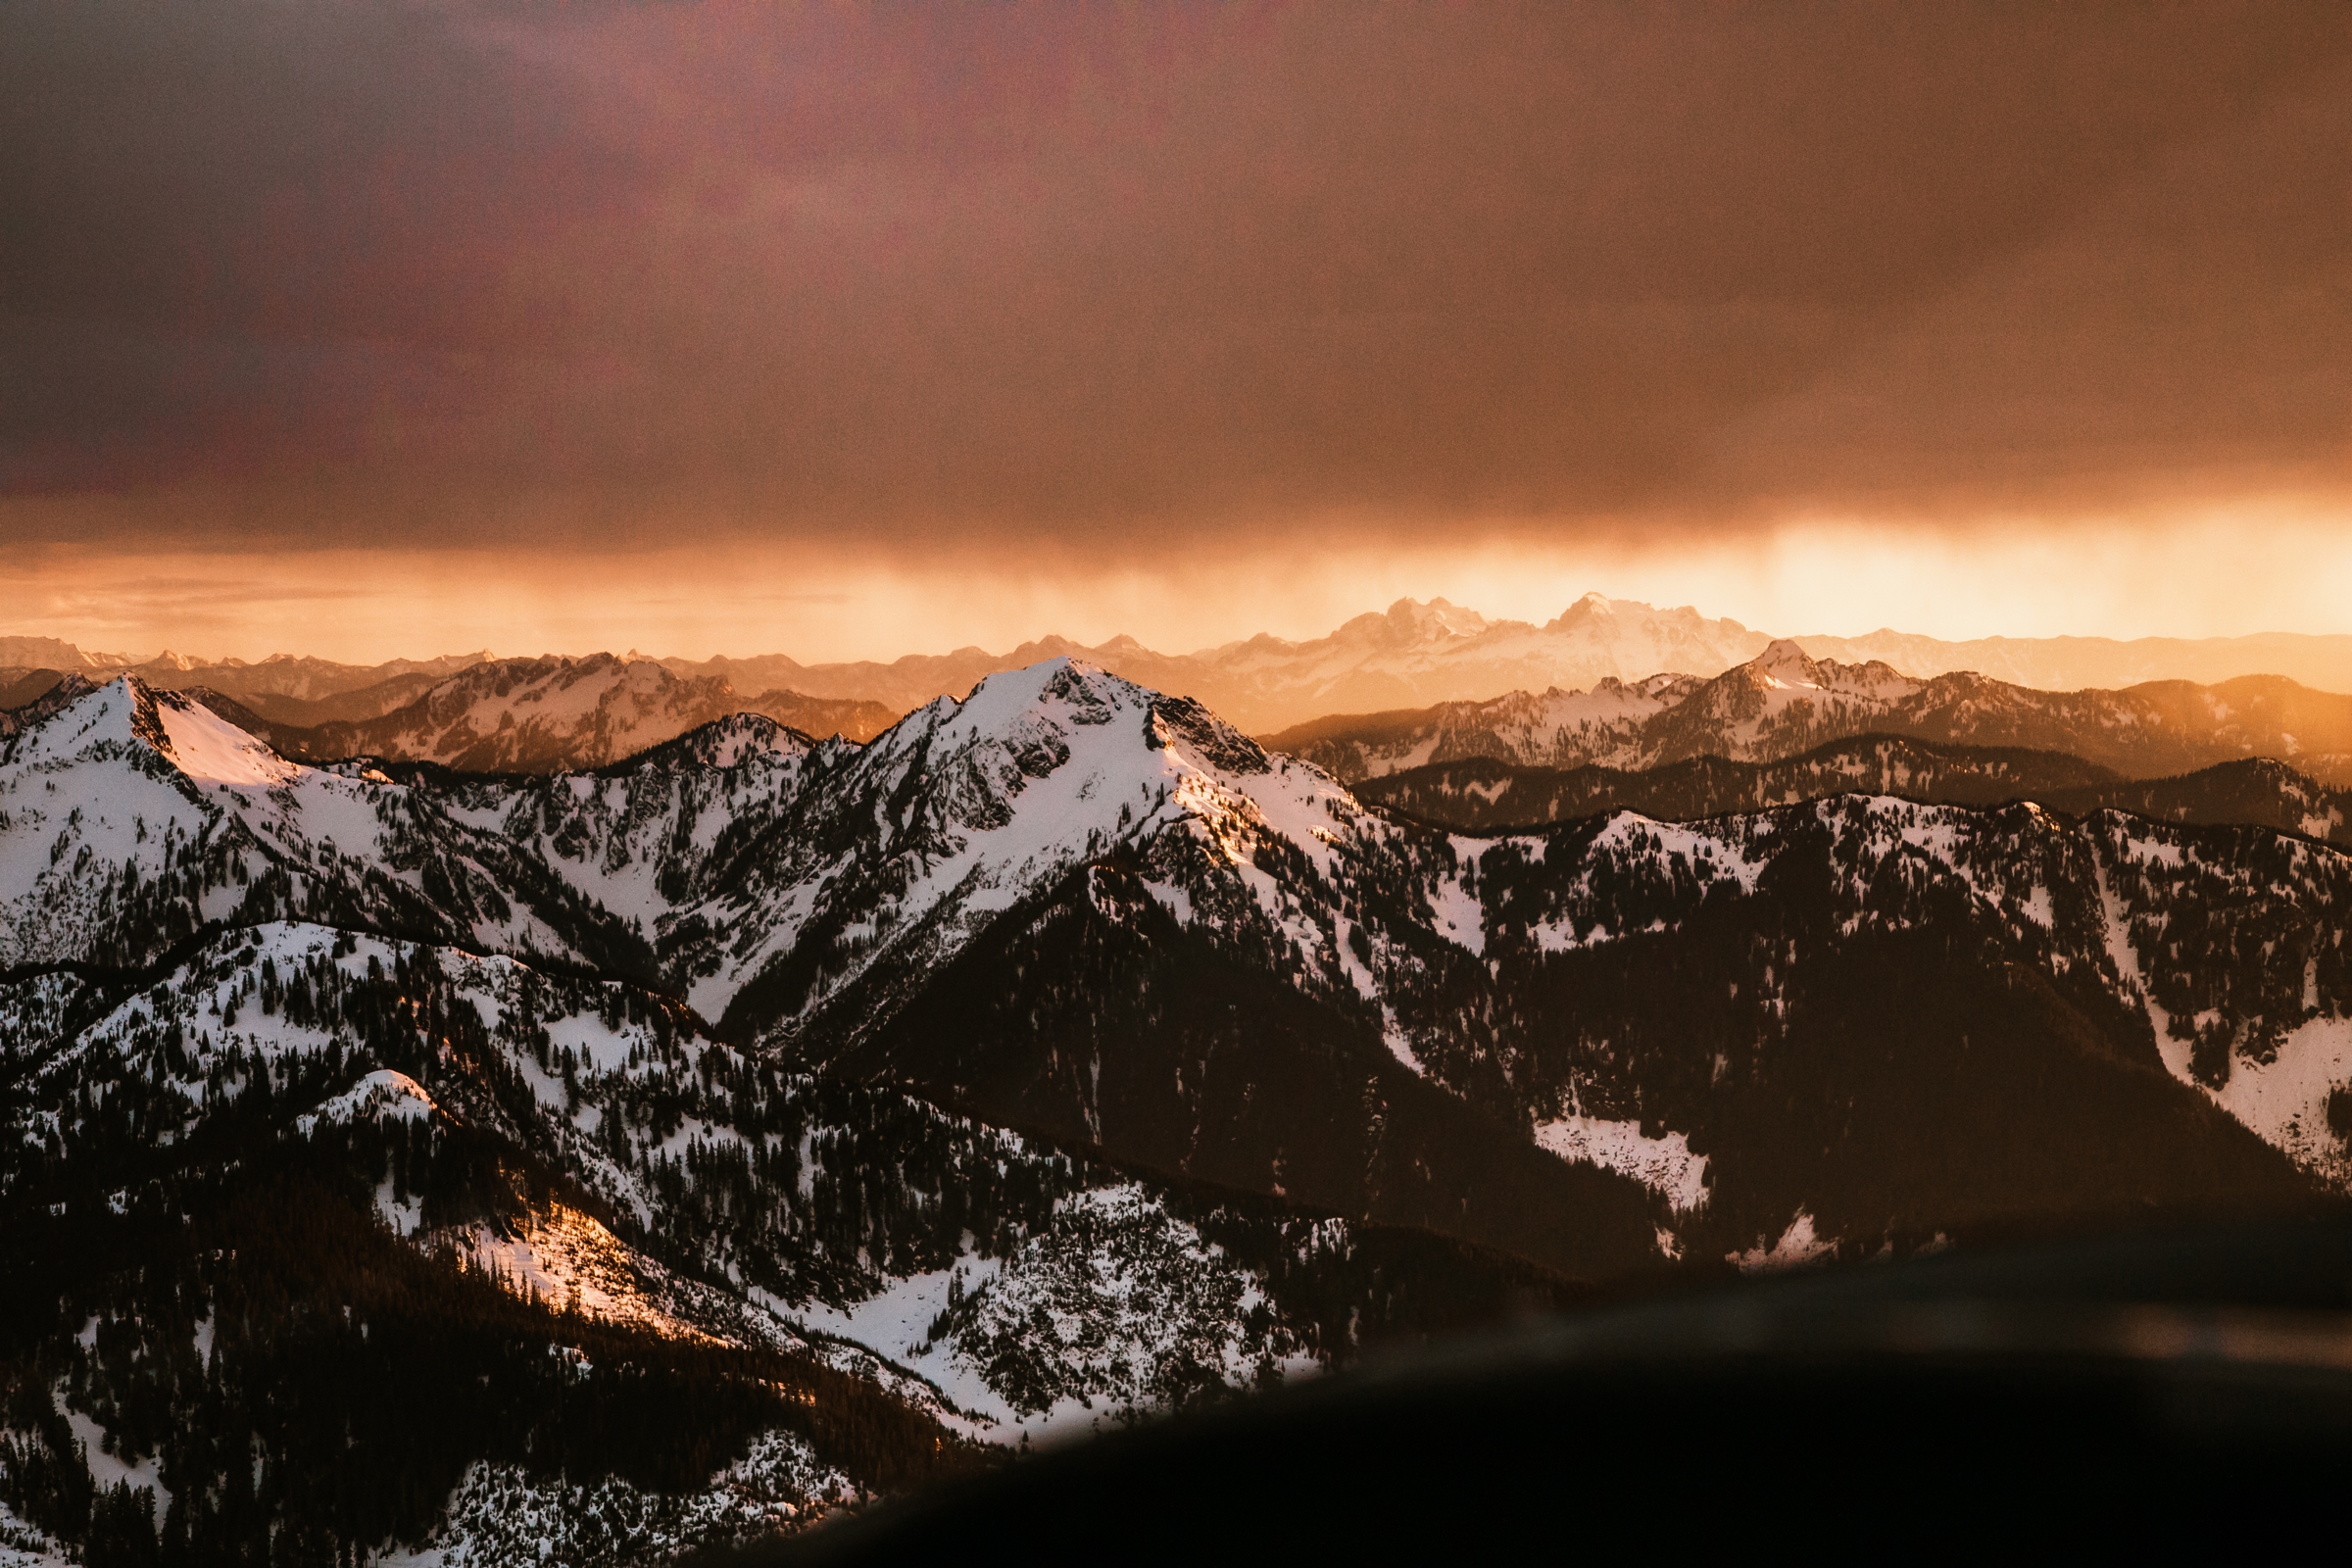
column 627, row 1159
column 1785, row 704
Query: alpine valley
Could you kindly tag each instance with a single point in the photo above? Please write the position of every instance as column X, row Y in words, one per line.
column 593, row 1156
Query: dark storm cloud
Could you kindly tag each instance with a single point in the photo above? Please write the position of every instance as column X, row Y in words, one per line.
column 238, row 237
column 919, row 273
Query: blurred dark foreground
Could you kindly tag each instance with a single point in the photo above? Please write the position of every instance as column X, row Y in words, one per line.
column 2136, row 1387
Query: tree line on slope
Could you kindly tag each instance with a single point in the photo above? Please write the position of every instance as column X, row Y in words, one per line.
column 1487, row 794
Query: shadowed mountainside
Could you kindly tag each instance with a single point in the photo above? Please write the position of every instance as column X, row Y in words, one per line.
column 1483, row 794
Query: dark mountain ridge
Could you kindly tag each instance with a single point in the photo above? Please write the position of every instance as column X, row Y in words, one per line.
column 1483, row 794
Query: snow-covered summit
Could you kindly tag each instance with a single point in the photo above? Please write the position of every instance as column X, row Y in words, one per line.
column 1785, row 666
column 1780, row 701
column 792, row 847
column 1409, row 623
column 727, row 743
column 1784, row 663
column 904, row 848
column 127, row 715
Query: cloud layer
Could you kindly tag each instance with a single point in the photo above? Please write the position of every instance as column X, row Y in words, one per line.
column 1100, row 280
column 806, row 327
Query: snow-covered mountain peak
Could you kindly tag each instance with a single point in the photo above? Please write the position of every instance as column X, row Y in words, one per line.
column 1784, row 663
column 1437, row 619
column 1787, row 674
column 904, row 848
column 1020, row 723
column 1667, row 688
column 727, row 743
column 1062, row 688
column 121, row 712
column 127, row 715
column 1029, row 723
column 1592, row 607
column 1410, row 624
column 1873, row 679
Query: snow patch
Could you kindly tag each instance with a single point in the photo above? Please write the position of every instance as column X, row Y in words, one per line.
column 1797, row 1246
column 107, row 1471
column 384, row 1095
column 2284, row 1100
column 1664, row 1164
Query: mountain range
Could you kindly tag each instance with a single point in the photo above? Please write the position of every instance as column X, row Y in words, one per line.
column 1783, row 703
column 1412, row 654
column 756, row 1124
column 507, row 715
column 545, row 714
column 297, row 689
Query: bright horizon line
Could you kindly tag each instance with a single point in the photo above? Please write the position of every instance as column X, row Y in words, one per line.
column 118, row 659
column 2230, row 572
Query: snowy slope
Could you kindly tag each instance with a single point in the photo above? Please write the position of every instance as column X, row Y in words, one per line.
column 770, row 881
column 133, row 818
column 588, row 1065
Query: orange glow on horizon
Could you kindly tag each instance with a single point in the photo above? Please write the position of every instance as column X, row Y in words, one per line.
column 2280, row 564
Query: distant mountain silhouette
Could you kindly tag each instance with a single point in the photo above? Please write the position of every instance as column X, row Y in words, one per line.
column 1412, row 654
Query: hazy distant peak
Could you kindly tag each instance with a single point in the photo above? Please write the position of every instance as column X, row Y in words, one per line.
column 1597, row 612
column 127, row 715
column 1406, row 656
column 1601, row 614
column 1436, row 619
column 1051, row 645
column 50, row 653
column 1409, row 622
column 1590, row 607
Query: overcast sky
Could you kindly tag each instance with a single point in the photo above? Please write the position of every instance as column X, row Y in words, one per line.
column 365, row 329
